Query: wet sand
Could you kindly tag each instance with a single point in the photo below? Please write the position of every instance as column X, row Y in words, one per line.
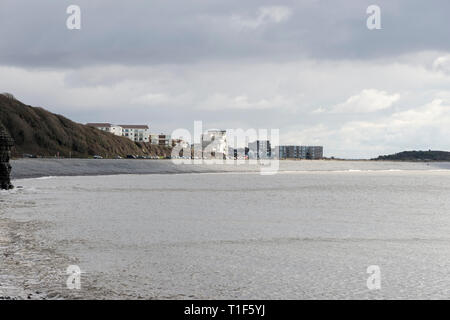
column 21, row 259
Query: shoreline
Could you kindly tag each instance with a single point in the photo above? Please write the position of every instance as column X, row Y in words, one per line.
column 39, row 168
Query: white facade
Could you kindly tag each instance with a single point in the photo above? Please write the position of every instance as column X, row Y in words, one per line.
column 116, row 130
column 107, row 127
column 214, row 144
column 160, row 139
column 137, row 133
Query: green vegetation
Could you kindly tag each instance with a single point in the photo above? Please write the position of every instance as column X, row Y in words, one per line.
column 39, row 132
column 417, row 156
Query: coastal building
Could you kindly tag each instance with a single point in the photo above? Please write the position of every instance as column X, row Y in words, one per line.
column 300, row 152
column 232, row 153
column 181, row 148
column 214, row 144
column 260, row 149
column 160, row 139
column 314, row 152
column 196, row 151
column 238, row 153
column 296, row 152
column 137, row 133
column 179, row 142
column 107, row 127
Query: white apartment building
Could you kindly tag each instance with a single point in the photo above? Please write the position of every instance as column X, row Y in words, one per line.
column 108, row 127
column 214, row 144
column 137, row 133
column 160, row 139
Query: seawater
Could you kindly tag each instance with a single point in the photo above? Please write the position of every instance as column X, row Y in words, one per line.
column 308, row 232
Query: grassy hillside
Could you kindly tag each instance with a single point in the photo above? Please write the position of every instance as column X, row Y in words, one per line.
column 39, row 132
column 418, row 156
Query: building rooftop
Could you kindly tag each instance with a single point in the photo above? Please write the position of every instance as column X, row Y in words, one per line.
column 134, row 126
column 217, row 131
column 99, row 124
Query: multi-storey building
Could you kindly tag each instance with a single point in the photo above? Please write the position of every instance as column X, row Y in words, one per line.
column 300, row 152
column 137, row 133
column 314, row 152
column 214, row 144
column 107, row 127
column 260, row 149
column 160, row 139
column 179, row 142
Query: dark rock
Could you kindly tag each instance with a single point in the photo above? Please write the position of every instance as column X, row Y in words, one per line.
column 6, row 143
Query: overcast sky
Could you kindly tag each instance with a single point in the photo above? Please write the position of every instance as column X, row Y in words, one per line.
column 310, row 68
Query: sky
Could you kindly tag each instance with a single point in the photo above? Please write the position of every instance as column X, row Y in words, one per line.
column 310, row 68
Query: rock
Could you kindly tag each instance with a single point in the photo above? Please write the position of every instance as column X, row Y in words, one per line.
column 6, row 143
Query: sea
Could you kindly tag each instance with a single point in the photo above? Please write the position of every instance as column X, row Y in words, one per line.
column 313, row 230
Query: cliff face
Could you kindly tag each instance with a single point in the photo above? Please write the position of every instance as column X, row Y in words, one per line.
column 39, row 132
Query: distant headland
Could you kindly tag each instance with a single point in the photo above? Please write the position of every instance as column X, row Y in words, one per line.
column 429, row 155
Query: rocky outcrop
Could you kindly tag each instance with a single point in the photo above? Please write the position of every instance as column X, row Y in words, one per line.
column 6, row 143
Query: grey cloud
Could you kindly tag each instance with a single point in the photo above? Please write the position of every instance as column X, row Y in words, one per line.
column 168, row 63
column 154, row 32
